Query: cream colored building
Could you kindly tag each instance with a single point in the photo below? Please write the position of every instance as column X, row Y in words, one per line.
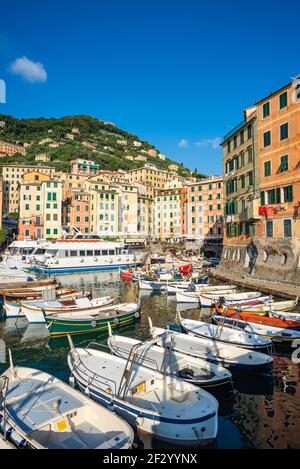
column 154, row 178
column 12, row 177
column 43, row 157
column 40, row 206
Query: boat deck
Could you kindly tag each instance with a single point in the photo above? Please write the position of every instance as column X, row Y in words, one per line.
column 31, row 403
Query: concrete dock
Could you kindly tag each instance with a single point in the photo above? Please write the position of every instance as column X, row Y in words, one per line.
column 270, row 288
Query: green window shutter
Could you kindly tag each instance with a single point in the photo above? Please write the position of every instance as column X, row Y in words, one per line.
column 284, row 131
column 284, row 163
column 267, row 138
column 266, row 110
column 267, row 168
column 278, row 195
column 283, row 100
column 262, row 198
column 287, row 228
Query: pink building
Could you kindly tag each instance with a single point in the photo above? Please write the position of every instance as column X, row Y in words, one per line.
column 84, row 167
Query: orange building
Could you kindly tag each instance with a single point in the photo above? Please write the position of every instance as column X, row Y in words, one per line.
column 9, row 149
column 76, row 210
column 205, row 212
column 278, row 119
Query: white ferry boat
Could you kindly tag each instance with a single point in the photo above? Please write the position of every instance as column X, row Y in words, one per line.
column 82, row 254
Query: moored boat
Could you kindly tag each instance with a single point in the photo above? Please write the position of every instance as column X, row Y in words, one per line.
column 235, row 358
column 266, row 320
column 195, row 296
column 39, row 411
column 79, row 323
column 197, row 371
column 278, row 336
column 36, row 310
column 207, row 299
column 13, row 308
column 223, row 334
column 165, row 407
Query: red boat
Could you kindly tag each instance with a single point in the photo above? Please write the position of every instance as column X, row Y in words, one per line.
column 258, row 319
column 185, row 269
column 126, row 275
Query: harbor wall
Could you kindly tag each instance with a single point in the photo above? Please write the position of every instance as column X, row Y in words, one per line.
column 274, row 259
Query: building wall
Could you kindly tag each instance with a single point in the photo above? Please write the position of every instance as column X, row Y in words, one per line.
column 9, row 149
column 205, row 209
column 77, row 211
column 12, row 177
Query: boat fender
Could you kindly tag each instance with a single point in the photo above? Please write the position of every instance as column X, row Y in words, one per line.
column 110, row 260
column 93, row 323
column 116, row 321
column 136, row 314
column 82, row 260
column 95, row 259
column 17, row 439
column 87, row 391
column 72, row 381
column 111, row 406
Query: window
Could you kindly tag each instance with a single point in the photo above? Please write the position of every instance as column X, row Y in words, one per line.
column 228, row 146
column 38, row 208
column 78, row 219
column 269, row 229
column 284, row 131
column 249, row 131
column 73, row 253
column 235, row 141
column 283, row 100
column 243, row 181
column 287, row 228
column 250, row 176
column 242, row 139
column 284, row 163
column 55, row 231
column 271, row 196
column 267, row 168
column 48, row 216
column 89, row 253
column 288, row 194
column 48, row 231
column 82, row 253
column 266, row 110
column 267, row 138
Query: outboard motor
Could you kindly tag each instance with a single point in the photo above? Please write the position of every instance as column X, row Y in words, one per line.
column 221, row 302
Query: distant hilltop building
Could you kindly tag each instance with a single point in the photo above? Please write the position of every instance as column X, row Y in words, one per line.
column 9, row 149
column 2, row 124
column 88, row 145
column 75, row 130
column 43, row 157
column 137, row 144
column 152, row 153
column 173, row 167
column 86, row 167
column 122, row 142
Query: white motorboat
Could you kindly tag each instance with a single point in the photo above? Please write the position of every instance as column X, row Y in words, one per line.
column 8, row 276
column 36, row 310
column 189, row 286
column 208, row 299
column 194, row 297
column 275, row 306
column 40, row 411
column 279, row 336
column 197, row 371
column 166, row 407
column 283, row 315
column 226, row 335
column 229, row 356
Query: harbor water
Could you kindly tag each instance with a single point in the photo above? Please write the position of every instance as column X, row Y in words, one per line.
column 263, row 413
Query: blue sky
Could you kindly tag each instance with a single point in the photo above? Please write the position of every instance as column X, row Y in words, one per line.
column 176, row 73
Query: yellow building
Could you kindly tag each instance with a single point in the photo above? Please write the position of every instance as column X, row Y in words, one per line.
column 154, row 178
column 12, row 177
column 40, row 206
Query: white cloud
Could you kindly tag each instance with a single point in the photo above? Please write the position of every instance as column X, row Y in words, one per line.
column 209, row 142
column 183, row 143
column 31, row 71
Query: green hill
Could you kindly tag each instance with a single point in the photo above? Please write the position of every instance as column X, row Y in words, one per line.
column 68, row 133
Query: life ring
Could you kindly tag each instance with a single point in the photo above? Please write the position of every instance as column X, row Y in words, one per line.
column 110, row 260
column 116, row 320
column 82, row 260
column 136, row 314
column 95, row 259
column 93, row 323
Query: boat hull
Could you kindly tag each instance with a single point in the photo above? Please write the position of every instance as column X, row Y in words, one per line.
column 60, row 327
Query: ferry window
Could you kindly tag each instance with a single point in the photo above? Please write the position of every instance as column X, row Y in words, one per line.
column 81, row 253
column 111, row 252
column 89, row 253
column 40, row 251
column 97, row 253
column 66, row 253
column 73, row 253
column 104, row 253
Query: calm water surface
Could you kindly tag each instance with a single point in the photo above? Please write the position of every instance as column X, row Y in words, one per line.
column 264, row 413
